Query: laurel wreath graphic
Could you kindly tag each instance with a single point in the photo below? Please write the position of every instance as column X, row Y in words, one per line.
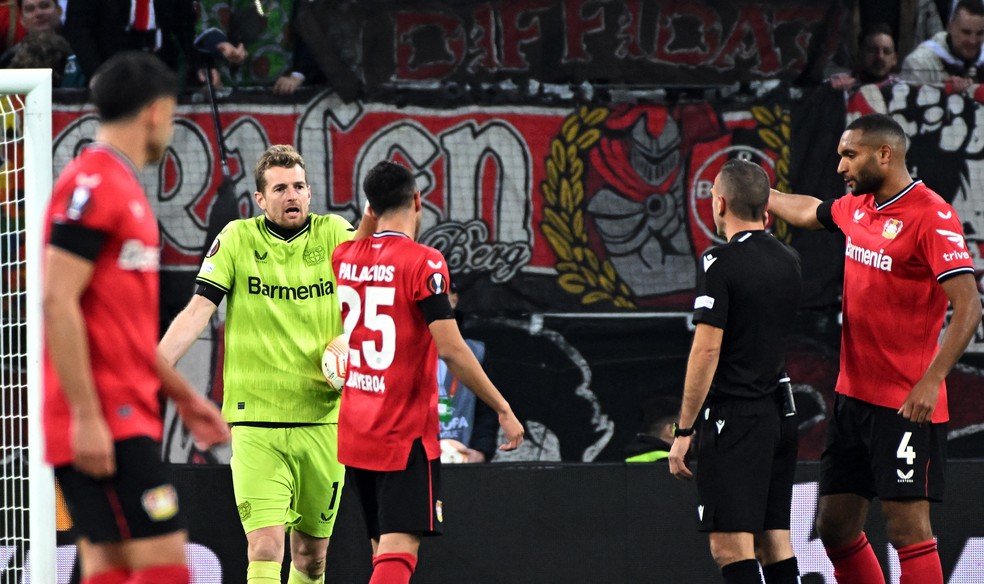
column 775, row 131
column 581, row 272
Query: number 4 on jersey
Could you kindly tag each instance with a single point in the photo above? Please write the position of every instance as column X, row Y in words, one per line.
column 905, row 451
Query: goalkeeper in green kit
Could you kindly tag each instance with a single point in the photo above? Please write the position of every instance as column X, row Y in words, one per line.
column 282, row 309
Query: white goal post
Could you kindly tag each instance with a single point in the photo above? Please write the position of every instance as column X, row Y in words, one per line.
column 27, row 549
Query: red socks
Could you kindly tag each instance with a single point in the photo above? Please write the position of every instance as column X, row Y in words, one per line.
column 920, row 563
column 856, row 563
column 393, row 568
column 161, row 575
column 117, row 576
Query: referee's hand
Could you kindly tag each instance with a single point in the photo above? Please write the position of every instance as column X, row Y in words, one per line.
column 678, row 458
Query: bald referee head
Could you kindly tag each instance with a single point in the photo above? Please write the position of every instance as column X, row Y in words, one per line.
column 741, row 194
column 872, row 151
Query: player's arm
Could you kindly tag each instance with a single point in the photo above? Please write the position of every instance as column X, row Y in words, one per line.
column 962, row 292
column 462, row 362
column 199, row 414
column 66, row 277
column 187, row 327
column 368, row 224
column 797, row 210
column 703, row 362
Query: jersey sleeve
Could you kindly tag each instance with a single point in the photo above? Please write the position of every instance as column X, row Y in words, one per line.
column 711, row 303
column 339, row 230
column 943, row 245
column 91, row 205
column 839, row 211
column 219, row 267
column 430, row 277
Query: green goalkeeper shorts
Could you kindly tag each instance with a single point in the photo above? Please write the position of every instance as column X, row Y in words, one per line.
column 287, row 476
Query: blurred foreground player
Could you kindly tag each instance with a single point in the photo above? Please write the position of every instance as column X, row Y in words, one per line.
column 906, row 257
column 393, row 293
column 747, row 295
column 102, row 373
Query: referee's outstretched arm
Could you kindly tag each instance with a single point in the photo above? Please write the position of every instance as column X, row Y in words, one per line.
column 797, row 210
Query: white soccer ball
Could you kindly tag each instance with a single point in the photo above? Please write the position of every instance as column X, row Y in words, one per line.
column 334, row 362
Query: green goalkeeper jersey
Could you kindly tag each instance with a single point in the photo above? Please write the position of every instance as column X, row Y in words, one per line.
column 282, row 309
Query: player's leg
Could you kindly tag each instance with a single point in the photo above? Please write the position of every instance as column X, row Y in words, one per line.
column 130, row 524
column 409, row 507
column 909, row 466
column 319, row 479
column 263, row 486
column 846, row 486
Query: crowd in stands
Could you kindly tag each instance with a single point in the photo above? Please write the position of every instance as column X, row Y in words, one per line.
column 254, row 43
column 258, row 45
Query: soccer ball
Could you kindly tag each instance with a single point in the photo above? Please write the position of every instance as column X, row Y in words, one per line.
column 334, row 362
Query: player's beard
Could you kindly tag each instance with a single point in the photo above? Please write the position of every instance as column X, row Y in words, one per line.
column 156, row 151
column 866, row 182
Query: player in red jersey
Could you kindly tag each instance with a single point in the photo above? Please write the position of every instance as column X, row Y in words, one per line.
column 395, row 308
column 905, row 258
column 102, row 374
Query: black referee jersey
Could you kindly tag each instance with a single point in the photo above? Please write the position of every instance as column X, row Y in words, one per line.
column 750, row 287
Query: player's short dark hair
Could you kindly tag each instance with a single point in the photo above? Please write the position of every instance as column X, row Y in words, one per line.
column 276, row 156
column 128, row 82
column 883, row 127
column 746, row 187
column 389, row 185
column 975, row 7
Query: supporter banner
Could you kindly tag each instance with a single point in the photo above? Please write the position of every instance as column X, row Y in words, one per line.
column 603, row 207
column 386, row 45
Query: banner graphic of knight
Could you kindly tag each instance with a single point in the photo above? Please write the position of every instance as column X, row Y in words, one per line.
column 572, row 226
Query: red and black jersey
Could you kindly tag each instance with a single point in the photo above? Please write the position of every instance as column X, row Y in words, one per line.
column 897, row 254
column 99, row 211
column 390, row 394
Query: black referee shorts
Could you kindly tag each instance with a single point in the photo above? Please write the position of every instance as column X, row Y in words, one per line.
column 402, row 501
column 746, row 458
column 139, row 501
column 872, row 451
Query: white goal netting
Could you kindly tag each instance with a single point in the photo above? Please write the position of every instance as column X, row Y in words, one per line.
column 27, row 524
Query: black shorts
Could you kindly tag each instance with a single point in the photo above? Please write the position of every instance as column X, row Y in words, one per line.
column 139, row 501
column 403, row 501
column 746, row 458
column 872, row 451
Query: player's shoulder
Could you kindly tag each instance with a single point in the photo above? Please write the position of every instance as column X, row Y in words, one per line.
column 330, row 222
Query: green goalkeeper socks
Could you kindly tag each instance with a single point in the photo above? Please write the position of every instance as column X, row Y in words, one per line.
column 263, row 573
column 298, row 577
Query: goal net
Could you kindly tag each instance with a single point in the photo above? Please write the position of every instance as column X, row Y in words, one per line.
column 27, row 492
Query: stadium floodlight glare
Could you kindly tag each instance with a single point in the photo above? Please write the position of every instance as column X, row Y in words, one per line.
column 27, row 490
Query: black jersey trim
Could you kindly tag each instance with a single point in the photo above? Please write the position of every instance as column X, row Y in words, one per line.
column 436, row 307
column 911, row 186
column 204, row 280
column 954, row 272
column 79, row 240
column 825, row 215
column 210, row 291
column 285, row 234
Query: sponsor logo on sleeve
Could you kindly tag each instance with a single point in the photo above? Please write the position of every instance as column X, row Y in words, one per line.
column 80, row 200
column 953, row 237
column 704, row 302
column 214, row 249
column 437, row 283
column 946, row 215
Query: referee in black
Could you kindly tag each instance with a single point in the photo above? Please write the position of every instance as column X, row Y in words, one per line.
column 735, row 398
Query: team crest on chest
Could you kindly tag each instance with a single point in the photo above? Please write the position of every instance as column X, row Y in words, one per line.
column 315, row 256
column 891, row 229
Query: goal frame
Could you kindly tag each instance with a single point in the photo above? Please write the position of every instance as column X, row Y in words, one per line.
column 35, row 85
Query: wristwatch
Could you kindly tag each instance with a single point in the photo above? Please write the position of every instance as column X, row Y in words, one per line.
column 678, row 431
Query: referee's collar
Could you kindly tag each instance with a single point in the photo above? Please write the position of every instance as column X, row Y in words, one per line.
column 743, row 235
